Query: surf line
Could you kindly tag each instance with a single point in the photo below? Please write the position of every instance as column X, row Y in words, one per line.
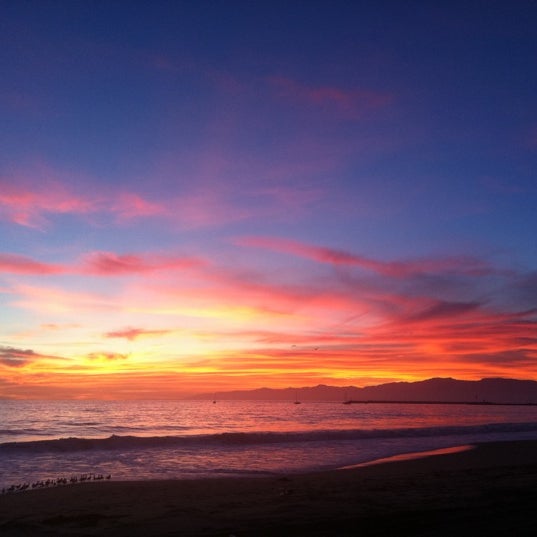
column 410, row 456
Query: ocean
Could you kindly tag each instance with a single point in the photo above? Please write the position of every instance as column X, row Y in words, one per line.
column 132, row 440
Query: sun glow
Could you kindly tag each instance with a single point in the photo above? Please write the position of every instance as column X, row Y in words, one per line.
column 214, row 222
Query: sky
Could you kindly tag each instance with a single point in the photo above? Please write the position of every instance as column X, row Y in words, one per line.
column 217, row 195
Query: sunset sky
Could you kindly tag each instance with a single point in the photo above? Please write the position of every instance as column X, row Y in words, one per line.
column 213, row 195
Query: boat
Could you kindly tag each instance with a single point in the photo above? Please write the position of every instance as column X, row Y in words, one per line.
column 297, row 402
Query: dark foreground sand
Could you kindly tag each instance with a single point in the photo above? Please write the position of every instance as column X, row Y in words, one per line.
column 487, row 491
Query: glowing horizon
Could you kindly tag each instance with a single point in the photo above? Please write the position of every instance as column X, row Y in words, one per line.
column 173, row 221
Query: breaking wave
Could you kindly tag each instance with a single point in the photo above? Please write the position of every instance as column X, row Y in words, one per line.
column 126, row 442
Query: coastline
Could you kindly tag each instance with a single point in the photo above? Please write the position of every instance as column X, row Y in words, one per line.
column 488, row 490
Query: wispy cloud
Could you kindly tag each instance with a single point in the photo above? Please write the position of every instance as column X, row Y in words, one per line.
column 99, row 264
column 351, row 103
column 134, row 333
column 130, row 205
column 106, row 356
column 12, row 357
column 16, row 357
column 30, row 205
column 34, row 204
column 113, row 264
column 34, row 197
column 442, row 309
column 18, row 264
column 397, row 269
column 55, row 300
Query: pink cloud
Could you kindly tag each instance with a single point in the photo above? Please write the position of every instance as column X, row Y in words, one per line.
column 133, row 333
column 32, row 206
column 99, row 263
column 18, row 264
column 30, row 197
column 206, row 208
column 112, row 264
column 131, row 205
column 56, row 327
column 28, row 206
column 352, row 103
column 396, row 269
column 59, row 301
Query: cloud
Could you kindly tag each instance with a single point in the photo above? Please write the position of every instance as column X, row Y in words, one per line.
column 99, row 263
column 396, row 269
column 106, row 356
column 442, row 309
column 13, row 357
column 129, row 205
column 56, row 300
column 352, row 103
column 112, row 264
column 32, row 197
column 133, row 333
column 18, row 264
column 56, row 327
column 29, row 205
column 517, row 357
column 221, row 191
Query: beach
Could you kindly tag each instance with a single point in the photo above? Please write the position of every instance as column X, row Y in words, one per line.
column 490, row 489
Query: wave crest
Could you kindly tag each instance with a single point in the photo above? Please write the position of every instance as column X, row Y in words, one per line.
column 126, row 442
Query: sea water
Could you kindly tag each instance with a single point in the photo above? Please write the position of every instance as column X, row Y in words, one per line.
column 42, row 440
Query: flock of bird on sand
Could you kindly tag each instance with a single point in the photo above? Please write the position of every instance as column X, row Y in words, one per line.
column 73, row 480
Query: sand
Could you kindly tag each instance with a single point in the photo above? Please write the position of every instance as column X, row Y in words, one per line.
column 487, row 491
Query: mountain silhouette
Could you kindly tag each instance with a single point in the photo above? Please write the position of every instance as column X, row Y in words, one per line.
column 438, row 390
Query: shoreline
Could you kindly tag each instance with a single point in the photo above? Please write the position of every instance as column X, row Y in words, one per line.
column 488, row 490
column 411, row 456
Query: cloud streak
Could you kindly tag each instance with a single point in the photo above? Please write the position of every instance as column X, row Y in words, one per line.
column 112, row 264
column 99, row 264
column 35, row 204
column 12, row 357
column 19, row 264
column 30, row 205
column 132, row 334
column 349, row 103
column 397, row 269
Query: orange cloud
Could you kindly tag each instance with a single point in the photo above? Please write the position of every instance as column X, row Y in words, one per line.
column 338, row 327
column 107, row 356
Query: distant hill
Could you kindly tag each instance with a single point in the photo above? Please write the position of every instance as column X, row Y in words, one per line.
column 488, row 390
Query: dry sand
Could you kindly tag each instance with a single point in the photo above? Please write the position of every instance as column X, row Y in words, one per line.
column 487, row 491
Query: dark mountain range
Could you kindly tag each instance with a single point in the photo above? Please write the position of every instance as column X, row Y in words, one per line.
column 488, row 390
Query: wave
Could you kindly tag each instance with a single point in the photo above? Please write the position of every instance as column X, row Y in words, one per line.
column 18, row 432
column 126, row 442
column 75, row 423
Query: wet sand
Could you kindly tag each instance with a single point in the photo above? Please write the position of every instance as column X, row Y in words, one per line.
column 487, row 491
